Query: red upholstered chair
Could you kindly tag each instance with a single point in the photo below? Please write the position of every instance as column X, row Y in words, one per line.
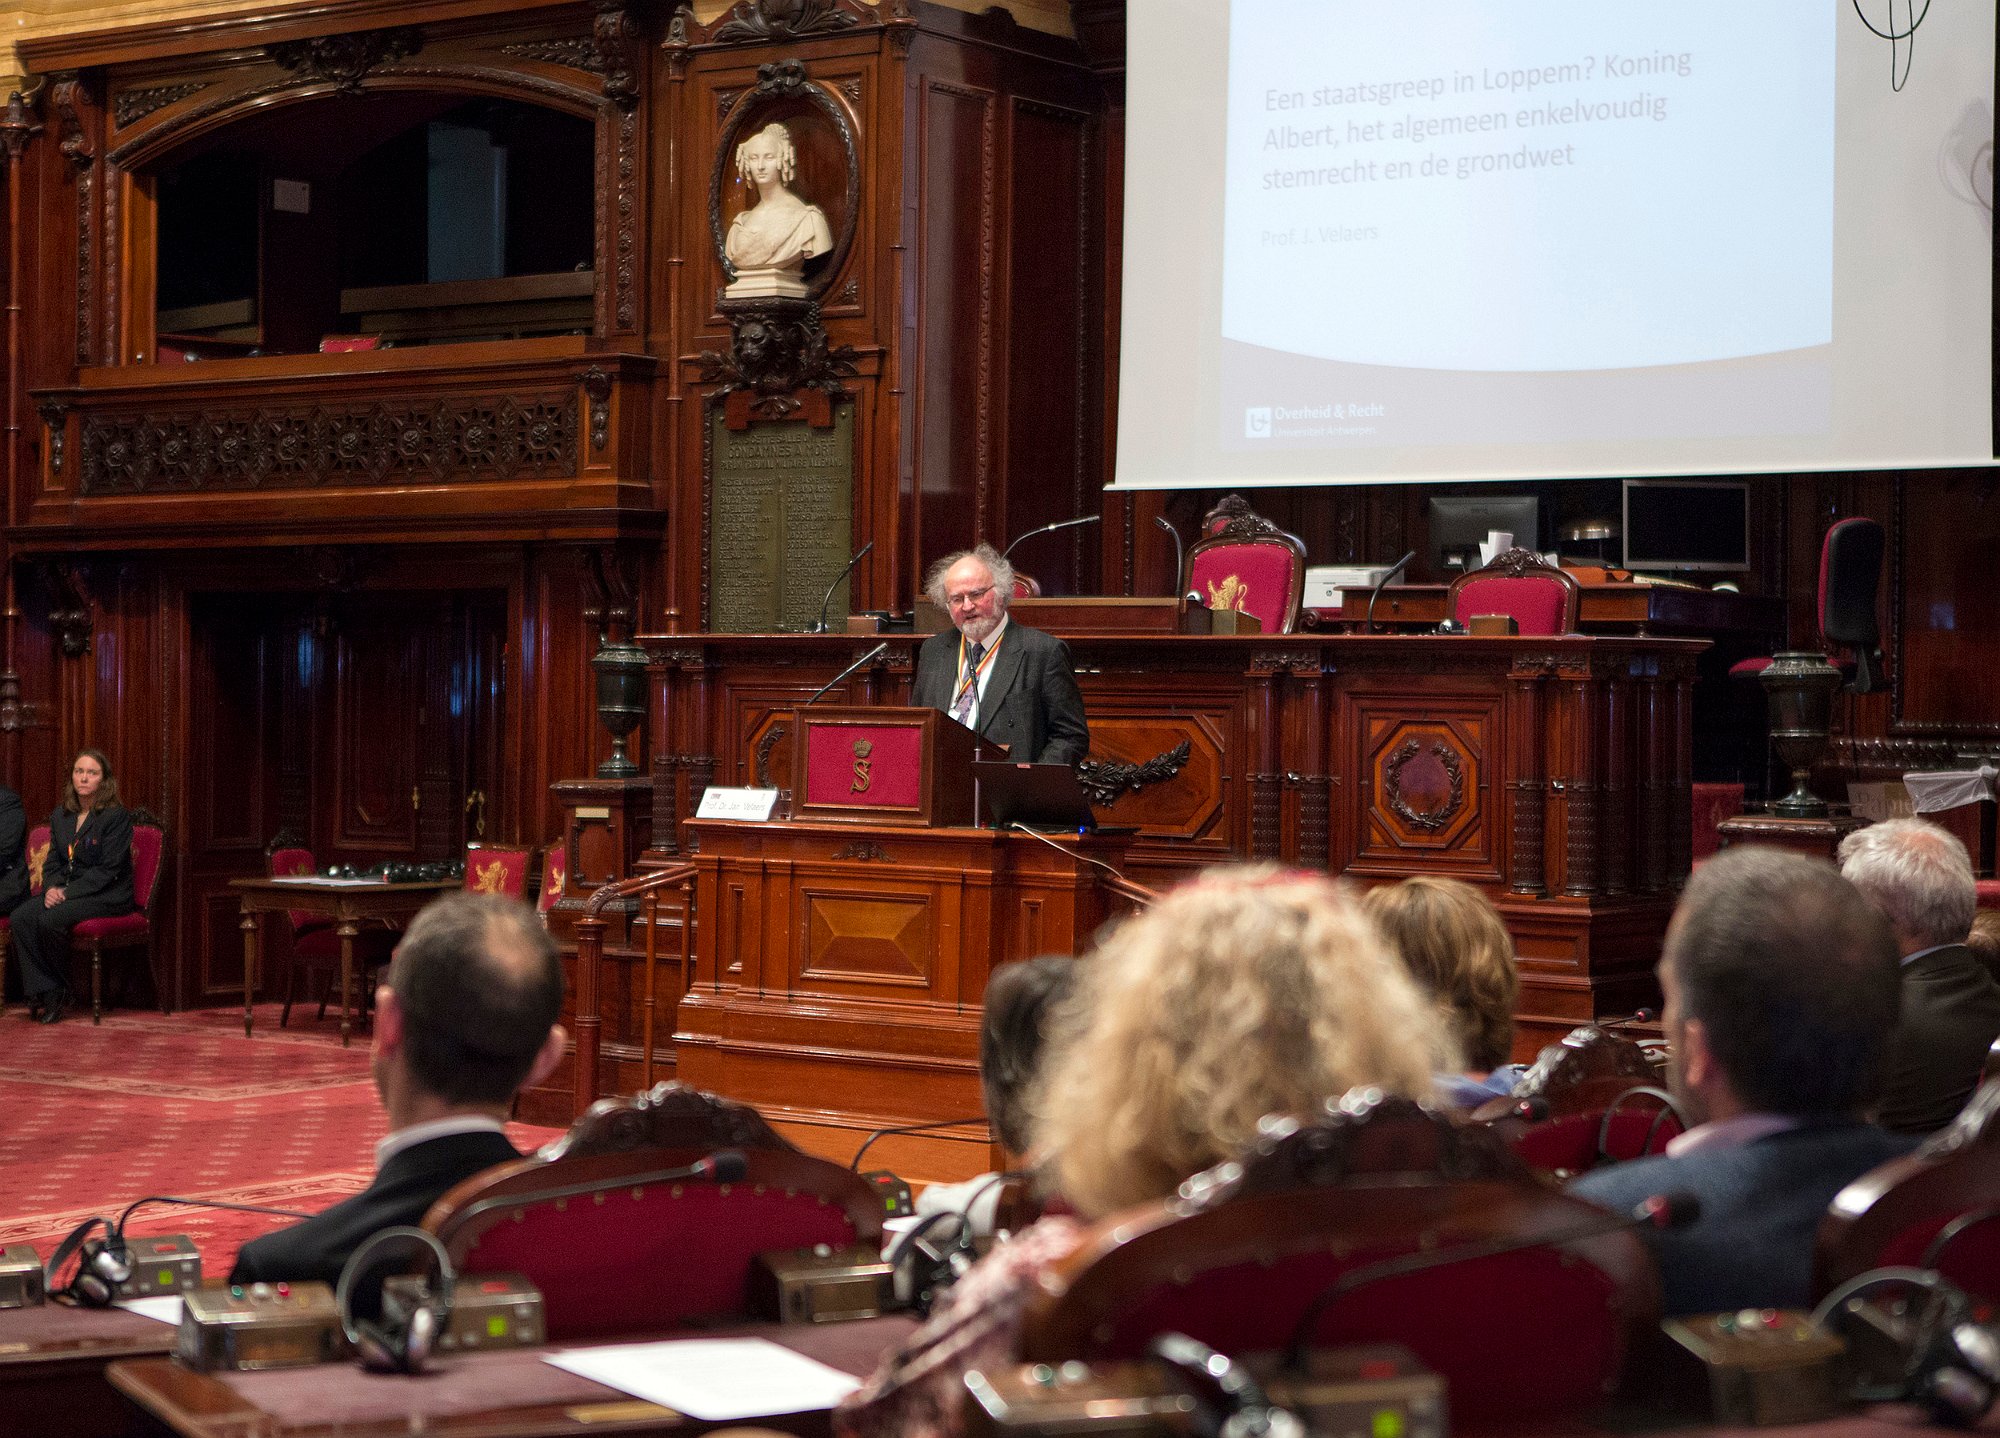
column 1850, row 574
column 1712, row 804
column 1248, row 564
column 37, row 854
column 498, row 869
column 123, row 933
column 553, row 876
column 1938, row 1207
column 1555, row 1120
column 285, row 863
column 1026, row 586
column 1235, row 1263
column 1541, row 597
column 615, row 1254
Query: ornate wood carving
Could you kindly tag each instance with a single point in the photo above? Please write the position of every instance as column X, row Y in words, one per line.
column 67, row 99
column 761, row 760
column 778, row 348
column 1315, row 824
column 1264, row 799
column 1437, row 812
column 131, row 105
column 864, row 851
column 616, row 32
column 18, row 125
column 53, row 412
column 344, row 60
column 901, row 25
column 597, row 390
column 464, row 440
column 625, row 236
column 70, row 614
column 755, row 21
column 679, row 40
column 1107, row 781
column 1233, row 518
column 577, row 52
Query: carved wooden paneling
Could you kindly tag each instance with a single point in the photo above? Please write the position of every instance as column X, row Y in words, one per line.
column 855, row 937
column 1426, row 766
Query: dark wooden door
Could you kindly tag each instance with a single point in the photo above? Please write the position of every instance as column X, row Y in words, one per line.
column 368, row 725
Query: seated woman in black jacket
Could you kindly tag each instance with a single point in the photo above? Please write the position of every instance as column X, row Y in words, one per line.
column 88, row 875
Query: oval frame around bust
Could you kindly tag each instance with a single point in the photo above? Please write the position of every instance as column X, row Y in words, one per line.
column 823, row 138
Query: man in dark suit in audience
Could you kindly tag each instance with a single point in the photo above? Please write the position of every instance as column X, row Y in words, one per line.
column 1781, row 990
column 1920, row 878
column 465, row 1018
column 1002, row 680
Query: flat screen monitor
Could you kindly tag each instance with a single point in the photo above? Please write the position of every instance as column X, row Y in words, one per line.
column 1683, row 524
column 1460, row 524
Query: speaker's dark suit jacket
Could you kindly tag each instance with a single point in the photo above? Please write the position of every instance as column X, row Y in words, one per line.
column 1031, row 704
column 408, row 1184
column 1761, row 1203
column 13, row 850
column 1951, row 1015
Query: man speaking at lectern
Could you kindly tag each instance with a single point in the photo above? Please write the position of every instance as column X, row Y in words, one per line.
column 1007, row 683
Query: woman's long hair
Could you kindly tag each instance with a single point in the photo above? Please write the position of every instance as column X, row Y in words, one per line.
column 1250, row 991
column 107, row 792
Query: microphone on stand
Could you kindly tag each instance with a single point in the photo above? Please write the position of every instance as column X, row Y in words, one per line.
column 854, row 1164
column 1180, row 554
column 1381, row 584
column 1662, row 1211
column 1050, row 529
column 859, row 555
column 871, row 654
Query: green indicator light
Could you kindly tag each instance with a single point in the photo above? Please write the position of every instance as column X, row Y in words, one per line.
column 167, row 1278
column 1388, row 1423
column 496, row 1326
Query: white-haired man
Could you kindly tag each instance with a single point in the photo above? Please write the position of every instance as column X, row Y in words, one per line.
column 1920, row 878
column 1004, row 681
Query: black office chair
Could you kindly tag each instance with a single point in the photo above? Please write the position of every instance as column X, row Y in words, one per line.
column 1850, row 577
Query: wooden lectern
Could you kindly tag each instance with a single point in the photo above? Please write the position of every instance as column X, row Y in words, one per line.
column 883, row 765
column 841, row 958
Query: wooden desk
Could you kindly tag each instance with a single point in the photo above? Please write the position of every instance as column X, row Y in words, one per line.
column 492, row 1395
column 1611, row 608
column 350, row 906
column 52, row 1368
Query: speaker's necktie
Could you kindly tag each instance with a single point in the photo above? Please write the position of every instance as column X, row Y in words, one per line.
column 968, row 685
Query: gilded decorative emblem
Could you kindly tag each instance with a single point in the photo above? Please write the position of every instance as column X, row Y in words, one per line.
column 1232, row 593
column 863, row 766
column 490, row 878
column 37, row 858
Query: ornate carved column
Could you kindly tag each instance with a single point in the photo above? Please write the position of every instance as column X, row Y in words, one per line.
column 1654, row 721
column 1616, row 871
column 1582, row 797
column 1528, row 790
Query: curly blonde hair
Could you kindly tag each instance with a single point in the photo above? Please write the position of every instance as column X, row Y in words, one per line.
column 1452, row 938
column 1248, row 992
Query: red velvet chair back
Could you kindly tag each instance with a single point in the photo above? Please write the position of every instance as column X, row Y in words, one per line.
column 149, row 845
column 1554, row 1121
column 38, row 856
column 1541, row 597
column 1896, row 1214
column 120, row 933
column 1248, row 564
column 1532, row 1334
column 553, row 877
column 497, row 869
column 627, row 1257
column 283, row 864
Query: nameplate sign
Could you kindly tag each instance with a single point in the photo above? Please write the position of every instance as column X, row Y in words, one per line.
column 752, row 805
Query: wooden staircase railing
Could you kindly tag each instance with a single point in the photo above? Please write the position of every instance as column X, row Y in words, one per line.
column 590, row 928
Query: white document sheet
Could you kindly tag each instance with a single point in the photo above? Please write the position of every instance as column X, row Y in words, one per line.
column 167, row 1309
column 712, row 1379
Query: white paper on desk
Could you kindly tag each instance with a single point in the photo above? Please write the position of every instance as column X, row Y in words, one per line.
column 167, row 1308
column 331, row 881
column 712, row 1378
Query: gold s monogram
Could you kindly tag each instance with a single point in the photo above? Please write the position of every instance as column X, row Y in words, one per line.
column 863, row 766
column 1230, row 594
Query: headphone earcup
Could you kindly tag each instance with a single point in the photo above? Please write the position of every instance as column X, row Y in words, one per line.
column 1954, row 1395
column 110, row 1261
column 379, row 1346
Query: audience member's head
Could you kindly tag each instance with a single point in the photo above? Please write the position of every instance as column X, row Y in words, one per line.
column 467, row 1013
column 1247, row 992
column 1983, row 938
column 1451, row 937
column 1781, row 985
column 1916, row 874
column 1019, row 999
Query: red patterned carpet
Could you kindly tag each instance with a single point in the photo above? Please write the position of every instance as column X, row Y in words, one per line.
column 97, row 1116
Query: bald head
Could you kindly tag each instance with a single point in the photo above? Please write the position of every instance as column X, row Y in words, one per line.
column 479, row 986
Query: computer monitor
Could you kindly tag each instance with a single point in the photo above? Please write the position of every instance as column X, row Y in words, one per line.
column 1460, row 523
column 1683, row 524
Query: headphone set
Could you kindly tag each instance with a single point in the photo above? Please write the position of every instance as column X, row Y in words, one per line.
column 102, row 1265
column 401, row 1337
column 1951, row 1361
column 1233, row 1404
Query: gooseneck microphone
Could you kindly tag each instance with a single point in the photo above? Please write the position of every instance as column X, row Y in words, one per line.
column 842, row 675
column 1662, row 1211
column 859, row 555
column 1383, row 583
column 854, row 1165
column 1050, row 529
column 1180, row 554
column 126, row 1217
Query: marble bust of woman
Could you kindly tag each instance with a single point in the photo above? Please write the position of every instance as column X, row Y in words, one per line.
column 770, row 241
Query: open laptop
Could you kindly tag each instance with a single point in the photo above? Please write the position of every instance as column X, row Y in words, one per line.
column 1035, row 796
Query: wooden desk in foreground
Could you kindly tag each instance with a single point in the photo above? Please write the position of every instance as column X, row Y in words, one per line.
column 52, row 1369
column 350, row 906
column 507, row 1394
